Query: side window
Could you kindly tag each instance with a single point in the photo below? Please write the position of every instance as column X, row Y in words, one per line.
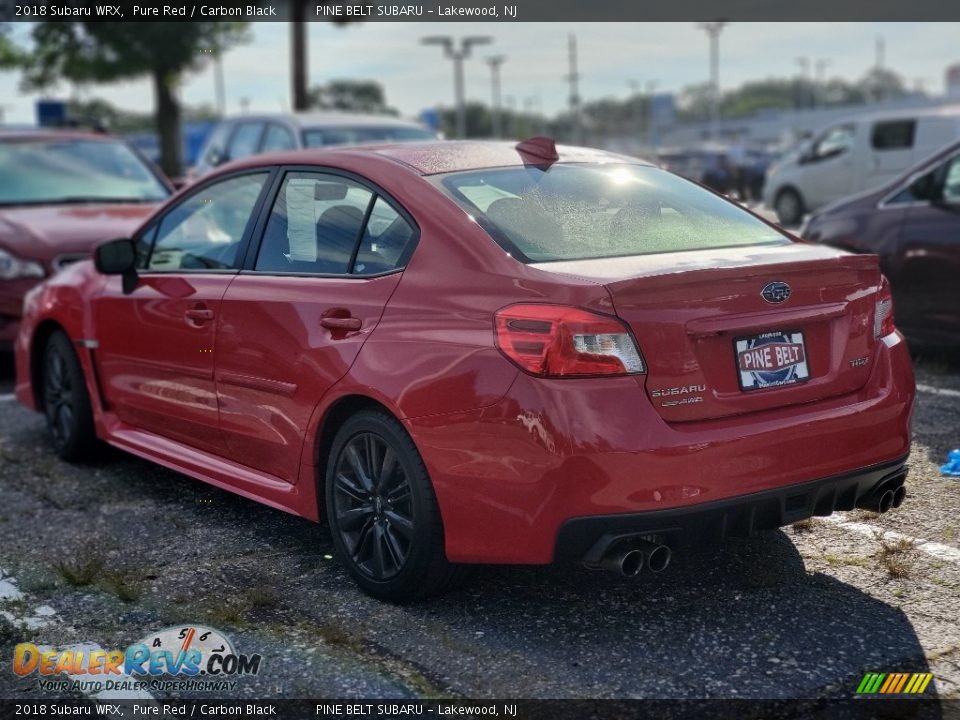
column 205, row 230
column 315, row 225
column 896, row 135
column 245, row 140
column 144, row 243
column 215, row 149
column 278, row 137
column 951, row 181
column 387, row 241
column 833, row 142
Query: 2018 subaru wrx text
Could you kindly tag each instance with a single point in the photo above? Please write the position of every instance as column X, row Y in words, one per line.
column 473, row 352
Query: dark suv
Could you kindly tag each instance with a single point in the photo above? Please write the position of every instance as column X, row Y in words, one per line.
column 913, row 224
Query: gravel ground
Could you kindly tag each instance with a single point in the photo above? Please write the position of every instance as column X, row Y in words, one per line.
column 110, row 551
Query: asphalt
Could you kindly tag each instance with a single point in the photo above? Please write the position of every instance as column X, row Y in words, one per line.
column 109, row 551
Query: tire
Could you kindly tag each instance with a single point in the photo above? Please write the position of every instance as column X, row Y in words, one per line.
column 66, row 402
column 386, row 530
column 789, row 207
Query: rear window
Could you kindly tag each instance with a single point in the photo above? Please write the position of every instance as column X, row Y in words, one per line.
column 576, row 212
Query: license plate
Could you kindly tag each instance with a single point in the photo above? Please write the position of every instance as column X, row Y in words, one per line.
column 771, row 359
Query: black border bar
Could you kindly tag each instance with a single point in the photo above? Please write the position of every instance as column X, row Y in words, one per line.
column 343, row 11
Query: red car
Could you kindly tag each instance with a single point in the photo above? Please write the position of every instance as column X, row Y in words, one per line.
column 61, row 194
column 477, row 352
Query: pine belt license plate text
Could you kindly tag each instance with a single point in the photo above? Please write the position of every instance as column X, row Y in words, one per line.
column 771, row 359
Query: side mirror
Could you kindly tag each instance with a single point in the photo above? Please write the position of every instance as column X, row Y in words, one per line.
column 926, row 187
column 215, row 157
column 118, row 257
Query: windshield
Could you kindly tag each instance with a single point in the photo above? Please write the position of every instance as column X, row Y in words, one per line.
column 575, row 212
column 315, row 137
column 60, row 171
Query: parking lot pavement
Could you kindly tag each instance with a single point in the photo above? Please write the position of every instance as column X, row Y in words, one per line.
column 106, row 552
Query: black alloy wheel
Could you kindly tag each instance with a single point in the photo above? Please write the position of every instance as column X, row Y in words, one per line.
column 66, row 402
column 384, row 518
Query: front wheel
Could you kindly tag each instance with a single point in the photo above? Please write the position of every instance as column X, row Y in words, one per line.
column 383, row 514
column 66, row 402
column 789, row 207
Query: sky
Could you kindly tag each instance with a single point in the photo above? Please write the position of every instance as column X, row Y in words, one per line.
column 611, row 55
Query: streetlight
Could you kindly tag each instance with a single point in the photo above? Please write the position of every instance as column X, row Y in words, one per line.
column 458, row 55
column 821, row 81
column 713, row 30
column 495, row 63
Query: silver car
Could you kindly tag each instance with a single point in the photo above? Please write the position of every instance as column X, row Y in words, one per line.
column 247, row 135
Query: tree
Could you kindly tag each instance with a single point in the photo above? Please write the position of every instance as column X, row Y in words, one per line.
column 10, row 55
column 298, row 53
column 84, row 52
column 363, row 96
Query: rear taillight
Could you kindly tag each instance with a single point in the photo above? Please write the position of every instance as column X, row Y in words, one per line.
column 883, row 323
column 563, row 341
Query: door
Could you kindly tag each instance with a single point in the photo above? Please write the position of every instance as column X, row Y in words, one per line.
column 156, row 344
column 926, row 279
column 293, row 322
column 829, row 167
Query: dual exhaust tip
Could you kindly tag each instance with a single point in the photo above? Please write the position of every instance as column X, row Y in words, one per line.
column 629, row 558
column 885, row 498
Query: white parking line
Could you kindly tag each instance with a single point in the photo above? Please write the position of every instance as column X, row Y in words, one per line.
column 8, row 398
column 938, row 391
column 937, row 550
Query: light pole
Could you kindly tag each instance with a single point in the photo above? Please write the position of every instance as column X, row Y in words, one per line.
column 458, row 55
column 820, row 76
column 636, row 102
column 713, row 30
column 652, row 140
column 495, row 63
column 220, row 88
column 804, row 64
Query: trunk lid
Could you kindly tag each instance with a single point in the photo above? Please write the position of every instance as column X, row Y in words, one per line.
column 713, row 345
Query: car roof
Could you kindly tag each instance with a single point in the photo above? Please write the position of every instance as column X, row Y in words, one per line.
column 440, row 156
column 329, row 119
column 55, row 134
column 906, row 113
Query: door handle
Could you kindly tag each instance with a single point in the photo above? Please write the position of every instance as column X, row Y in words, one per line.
column 199, row 315
column 341, row 323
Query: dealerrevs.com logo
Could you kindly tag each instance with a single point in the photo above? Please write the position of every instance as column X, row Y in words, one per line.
column 196, row 657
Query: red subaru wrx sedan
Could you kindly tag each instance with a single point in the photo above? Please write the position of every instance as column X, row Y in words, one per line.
column 481, row 353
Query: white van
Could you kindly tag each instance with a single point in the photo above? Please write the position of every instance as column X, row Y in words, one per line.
column 855, row 154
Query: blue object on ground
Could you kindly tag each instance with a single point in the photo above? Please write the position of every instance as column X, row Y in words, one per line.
column 952, row 468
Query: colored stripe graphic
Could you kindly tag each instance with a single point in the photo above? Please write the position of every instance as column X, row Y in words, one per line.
column 894, row 683
column 871, row 682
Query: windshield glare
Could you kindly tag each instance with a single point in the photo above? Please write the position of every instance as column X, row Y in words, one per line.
column 575, row 212
column 52, row 171
column 316, row 137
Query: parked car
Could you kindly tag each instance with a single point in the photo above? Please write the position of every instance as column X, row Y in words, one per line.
column 856, row 154
column 241, row 137
column 475, row 352
column 913, row 224
column 62, row 193
column 710, row 166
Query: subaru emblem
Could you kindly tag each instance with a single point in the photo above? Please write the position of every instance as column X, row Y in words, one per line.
column 775, row 292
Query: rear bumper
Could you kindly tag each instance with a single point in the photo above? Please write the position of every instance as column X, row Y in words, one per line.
column 587, row 539
column 510, row 476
